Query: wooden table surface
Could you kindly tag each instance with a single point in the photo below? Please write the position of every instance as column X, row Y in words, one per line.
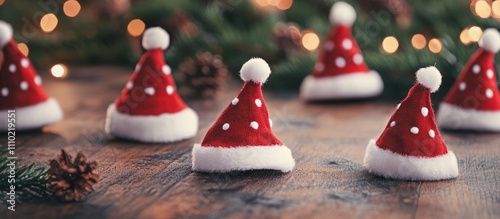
column 328, row 142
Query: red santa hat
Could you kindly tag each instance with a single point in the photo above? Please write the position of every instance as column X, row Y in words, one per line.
column 149, row 109
column 473, row 103
column 21, row 88
column 411, row 147
column 241, row 138
column 340, row 72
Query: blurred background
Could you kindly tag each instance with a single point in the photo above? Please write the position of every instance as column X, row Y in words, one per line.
column 211, row 39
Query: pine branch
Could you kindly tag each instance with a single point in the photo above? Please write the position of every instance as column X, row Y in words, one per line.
column 30, row 180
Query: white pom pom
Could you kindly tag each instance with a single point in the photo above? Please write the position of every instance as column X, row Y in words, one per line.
column 5, row 33
column 430, row 78
column 155, row 38
column 342, row 14
column 490, row 40
column 256, row 70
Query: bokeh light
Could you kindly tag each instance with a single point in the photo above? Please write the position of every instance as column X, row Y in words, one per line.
column 273, row 2
column 464, row 36
column 495, row 8
column 71, row 8
column 23, row 48
column 390, row 44
column 59, row 71
column 310, row 41
column 482, row 9
column 262, row 3
column 475, row 33
column 418, row 41
column 435, row 45
column 136, row 27
column 1, row 2
column 48, row 23
column 284, row 4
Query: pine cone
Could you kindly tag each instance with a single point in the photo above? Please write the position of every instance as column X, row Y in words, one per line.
column 288, row 37
column 205, row 75
column 71, row 180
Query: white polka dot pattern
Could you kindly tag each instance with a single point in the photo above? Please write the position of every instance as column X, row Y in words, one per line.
column 130, row 85
column 166, row 69
column 432, row 134
column 271, row 122
column 424, row 111
column 476, row 69
column 393, row 123
column 490, row 73
column 5, row 91
column 489, row 93
column 254, row 125
column 12, row 68
column 170, row 89
column 462, row 86
column 258, row 102
column 225, row 126
column 357, row 59
column 25, row 62
column 137, row 67
column 329, row 46
column 235, row 101
column 347, row 44
column 340, row 62
column 24, row 85
column 414, row 130
column 149, row 91
column 38, row 80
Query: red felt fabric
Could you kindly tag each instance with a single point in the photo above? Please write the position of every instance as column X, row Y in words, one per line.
column 135, row 101
column 327, row 58
column 474, row 94
column 11, row 81
column 239, row 117
column 400, row 140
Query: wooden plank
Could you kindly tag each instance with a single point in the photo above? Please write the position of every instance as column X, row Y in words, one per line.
column 328, row 141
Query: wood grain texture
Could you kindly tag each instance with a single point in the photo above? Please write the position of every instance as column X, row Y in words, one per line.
column 328, row 141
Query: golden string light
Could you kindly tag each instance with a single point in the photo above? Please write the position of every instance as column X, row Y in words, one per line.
column 475, row 33
column 136, row 27
column 279, row 4
column 23, row 48
column 495, row 8
column 482, row 8
column 71, row 8
column 435, row 45
column 284, row 4
column 59, row 71
column 390, row 44
column 273, row 2
column 262, row 3
column 310, row 41
column 464, row 36
column 48, row 23
column 418, row 41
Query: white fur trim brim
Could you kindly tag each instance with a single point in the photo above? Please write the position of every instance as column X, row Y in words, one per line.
column 392, row 165
column 33, row 117
column 219, row 159
column 167, row 127
column 349, row 86
column 454, row 117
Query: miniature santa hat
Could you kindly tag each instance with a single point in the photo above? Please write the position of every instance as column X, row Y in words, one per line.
column 411, row 147
column 241, row 138
column 21, row 89
column 149, row 109
column 473, row 103
column 340, row 72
